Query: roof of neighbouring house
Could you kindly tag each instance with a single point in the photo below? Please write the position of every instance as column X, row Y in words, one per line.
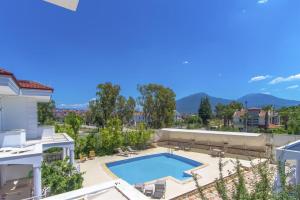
column 240, row 113
column 25, row 84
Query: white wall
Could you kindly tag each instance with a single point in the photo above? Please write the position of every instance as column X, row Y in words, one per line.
column 46, row 131
column 19, row 113
column 14, row 172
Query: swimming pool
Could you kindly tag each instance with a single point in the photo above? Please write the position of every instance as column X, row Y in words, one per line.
column 147, row 168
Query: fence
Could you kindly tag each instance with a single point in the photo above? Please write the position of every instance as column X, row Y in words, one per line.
column 50, row 157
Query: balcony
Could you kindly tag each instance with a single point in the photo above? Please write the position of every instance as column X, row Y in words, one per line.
column 46, row 131
column 13, row 138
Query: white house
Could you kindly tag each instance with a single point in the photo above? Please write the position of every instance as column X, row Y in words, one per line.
column 256, row 118
column 22, row 141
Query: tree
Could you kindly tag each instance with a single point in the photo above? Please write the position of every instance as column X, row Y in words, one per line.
column 110, row 104
column 120, row 108
column 106, row 101
column 193, row 121
column 46, row 112
column 230, row 109
column 75, row 122
column 284, row 116
column 158, row 103
column 219, row 109
column 290, row 118
column 205, row 112
column 125, row 109
column 60, row 177
column 226, row 112
column 267, row 109
column 129, row 109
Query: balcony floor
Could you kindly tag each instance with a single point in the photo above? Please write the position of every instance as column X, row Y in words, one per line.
column 18, row 189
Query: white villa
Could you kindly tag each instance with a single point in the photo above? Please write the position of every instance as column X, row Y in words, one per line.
column 22, row 140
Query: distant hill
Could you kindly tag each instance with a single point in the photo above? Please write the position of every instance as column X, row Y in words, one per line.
column 259, row 100
column 190, row 104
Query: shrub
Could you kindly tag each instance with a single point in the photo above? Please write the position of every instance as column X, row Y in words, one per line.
column 61, row 176
column 260, row 187
column 111, row 136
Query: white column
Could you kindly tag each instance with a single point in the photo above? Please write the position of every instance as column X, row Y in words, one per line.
column 65, row 153
column 72, row 156
column 68, row 152
column 298, row 172
column 3, row 174
column 37, row 181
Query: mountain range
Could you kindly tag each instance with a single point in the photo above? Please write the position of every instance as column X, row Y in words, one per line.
column 190, row 104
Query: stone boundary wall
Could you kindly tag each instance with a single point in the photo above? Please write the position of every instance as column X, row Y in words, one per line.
column 256, row 145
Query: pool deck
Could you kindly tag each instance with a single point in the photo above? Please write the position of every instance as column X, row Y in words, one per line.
column 96, row 172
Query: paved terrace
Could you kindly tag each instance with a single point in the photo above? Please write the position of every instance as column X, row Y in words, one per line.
column 97, row 173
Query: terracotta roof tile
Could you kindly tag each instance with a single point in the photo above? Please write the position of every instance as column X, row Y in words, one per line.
column 24, row 83
column 33, row 85
column 5, row 72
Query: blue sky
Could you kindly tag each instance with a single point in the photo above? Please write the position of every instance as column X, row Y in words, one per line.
column 225, row 48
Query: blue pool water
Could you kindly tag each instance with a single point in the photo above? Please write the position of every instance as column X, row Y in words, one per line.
column 148, row 168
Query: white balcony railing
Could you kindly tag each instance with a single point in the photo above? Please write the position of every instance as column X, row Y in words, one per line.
column 46, row 131
column 13, row 138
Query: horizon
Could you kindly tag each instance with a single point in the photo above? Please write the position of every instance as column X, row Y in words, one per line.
column 190, row 47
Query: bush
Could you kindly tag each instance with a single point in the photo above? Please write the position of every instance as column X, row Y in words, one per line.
column 63, row 128
column 138, row 138
column 193, row 122
column 260, row 187
column 61, row 176
column 53, row 150
column 111, row 137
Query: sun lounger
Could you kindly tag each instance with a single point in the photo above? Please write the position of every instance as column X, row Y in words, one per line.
column 140, row 187
column 217, row 153
column 82, row 158
column 92, row 155
column 187, row 148
column 160, row 189
column 121, row 152
column 176, row 148
column 132, row 151
column 148, row 190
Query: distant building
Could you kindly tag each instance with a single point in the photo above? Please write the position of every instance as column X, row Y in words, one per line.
column 255, row 118
column 61, row 113
column 177, row 116
column 138, row 117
